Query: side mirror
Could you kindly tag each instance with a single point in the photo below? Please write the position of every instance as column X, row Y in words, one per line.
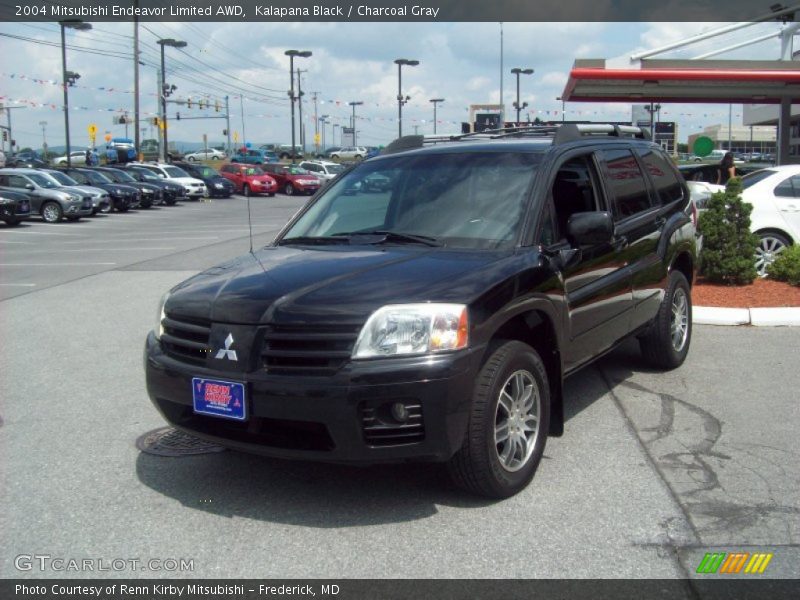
column 590, row 228
column 29, row 186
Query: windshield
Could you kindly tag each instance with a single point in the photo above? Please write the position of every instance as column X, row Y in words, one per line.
column 462, row 200
column 43, row 180
column 120, row 176
column 175, row 172
column 335, row 169
column 96, row 177
column 207, row 172
column 62, row 178
column 296, row 171
column 755, row 177
column 253, row 171
column 146, row 174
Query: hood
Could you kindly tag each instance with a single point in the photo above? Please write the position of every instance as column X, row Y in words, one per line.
column 333, row 284
column 186, row 180
column 89, row 189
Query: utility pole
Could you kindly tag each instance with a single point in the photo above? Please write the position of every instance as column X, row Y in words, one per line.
column 502, row 107
column 300, row 109
column 228, row 124
column 138, row 140
column 241, row 107
column 161, row 105
column 316, row 125
column 8, row 110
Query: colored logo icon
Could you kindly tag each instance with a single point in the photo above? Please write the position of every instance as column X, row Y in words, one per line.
column 734, row 563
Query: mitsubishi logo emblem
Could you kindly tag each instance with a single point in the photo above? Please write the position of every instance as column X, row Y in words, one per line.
column 226, row 352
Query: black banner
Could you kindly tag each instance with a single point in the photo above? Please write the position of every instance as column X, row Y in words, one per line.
column 388, row 10
column 400, row 589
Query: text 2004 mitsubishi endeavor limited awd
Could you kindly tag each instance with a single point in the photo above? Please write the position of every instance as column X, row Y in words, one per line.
column 428, row 304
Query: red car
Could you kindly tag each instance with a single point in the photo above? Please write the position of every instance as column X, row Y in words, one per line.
column 247, row 179
column 292, row 179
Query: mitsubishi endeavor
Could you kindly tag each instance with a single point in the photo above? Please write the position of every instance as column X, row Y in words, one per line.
column 435, row 317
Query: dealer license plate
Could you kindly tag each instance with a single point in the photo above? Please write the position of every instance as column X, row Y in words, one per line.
column 224, row 399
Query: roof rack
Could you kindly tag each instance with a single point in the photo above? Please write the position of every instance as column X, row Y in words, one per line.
column 560, row 134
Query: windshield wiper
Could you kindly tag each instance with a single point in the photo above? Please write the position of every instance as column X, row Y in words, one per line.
column 396, row 236
column 311, row 239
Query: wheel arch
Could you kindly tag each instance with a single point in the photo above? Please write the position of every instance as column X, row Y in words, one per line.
column 684, row 263
column 536, row 329
column 777, row 231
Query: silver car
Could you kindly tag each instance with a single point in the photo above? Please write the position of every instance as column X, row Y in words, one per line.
column 101, row 201
column 48, row 199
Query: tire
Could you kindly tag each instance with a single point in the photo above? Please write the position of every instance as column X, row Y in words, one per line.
column 106, row 209
column 666, row 343
column 357, row 157
column 495, row 469
column 215, row 158
column 191, row 159
column 335, row 156
column 52, row 212
column 770, row 244
column 289, row 189
column 246, row 189
column 272, row 195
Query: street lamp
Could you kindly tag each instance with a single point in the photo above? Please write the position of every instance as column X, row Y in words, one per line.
column 354, row 104
column 68, row 77
column 323, row 120
column 291, row 54
column 435, row 102
column 517, row 71
column 166, row 90
column 400, row 99
column 43, row 125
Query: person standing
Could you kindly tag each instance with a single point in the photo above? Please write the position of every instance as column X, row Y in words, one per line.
column 726, row 169
column 88, row 157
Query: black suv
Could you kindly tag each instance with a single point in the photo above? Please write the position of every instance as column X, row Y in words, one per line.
column 435, row 317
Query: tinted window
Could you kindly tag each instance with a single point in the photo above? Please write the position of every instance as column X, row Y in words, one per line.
column 626, row 184
column 756, row 176
column 573, row 192
column 664, row 178
column 789, row 188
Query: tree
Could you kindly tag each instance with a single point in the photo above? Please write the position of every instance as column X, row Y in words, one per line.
column 728, row 246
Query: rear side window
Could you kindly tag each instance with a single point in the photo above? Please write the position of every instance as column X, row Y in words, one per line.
column 664, row 179
column 789, row 188
column 626, row 184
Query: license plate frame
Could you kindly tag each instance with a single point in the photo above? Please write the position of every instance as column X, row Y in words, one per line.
column 225, row 399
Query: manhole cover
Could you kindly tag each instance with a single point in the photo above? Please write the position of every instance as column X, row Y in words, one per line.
column 168, row 441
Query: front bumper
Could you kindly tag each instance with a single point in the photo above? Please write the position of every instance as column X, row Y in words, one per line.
column 15, row 211
column 324, row 418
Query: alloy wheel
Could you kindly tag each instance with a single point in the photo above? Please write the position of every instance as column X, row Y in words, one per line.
column 516, row 423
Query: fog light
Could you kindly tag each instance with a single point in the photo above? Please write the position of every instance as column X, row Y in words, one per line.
column 399, row 412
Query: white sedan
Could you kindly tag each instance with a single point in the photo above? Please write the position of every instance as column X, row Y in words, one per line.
column 77, row 157
column 210, row 154
column 775, row 196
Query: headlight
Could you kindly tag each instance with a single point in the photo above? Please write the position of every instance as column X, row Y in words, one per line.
column 218, row 186
column 159, row 328
column 118, row 192
column 403, row 329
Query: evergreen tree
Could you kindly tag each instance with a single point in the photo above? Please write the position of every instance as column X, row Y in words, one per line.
column 728, row 246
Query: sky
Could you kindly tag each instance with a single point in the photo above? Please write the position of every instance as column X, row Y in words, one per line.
column 459, row 62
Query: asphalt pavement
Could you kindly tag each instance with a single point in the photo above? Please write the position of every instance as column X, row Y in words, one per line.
column 654, row 470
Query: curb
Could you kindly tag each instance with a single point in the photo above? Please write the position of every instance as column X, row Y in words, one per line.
column 759, row 317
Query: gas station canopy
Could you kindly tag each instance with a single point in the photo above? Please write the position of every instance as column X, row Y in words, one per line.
column 710, row 81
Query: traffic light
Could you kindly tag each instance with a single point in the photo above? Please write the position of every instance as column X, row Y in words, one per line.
column 200, row 104
column 224, row 132
column 188, row 103
column 216, row 105
column 5, row 135
column 178, row 116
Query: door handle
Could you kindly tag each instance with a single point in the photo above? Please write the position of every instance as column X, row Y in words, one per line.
column 660, row 221
column 620, row 242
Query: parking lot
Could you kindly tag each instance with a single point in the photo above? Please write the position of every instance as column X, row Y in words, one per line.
column 654, row 469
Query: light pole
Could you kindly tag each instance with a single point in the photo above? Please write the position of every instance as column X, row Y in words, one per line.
column 43, row 125
column 435, row 102
column 333, row 141
column 291, row 54
column 323, row 120
column 354, row 104
column 517, row 71
column 400, row 99
column 166, row 90
column 68, row 77
column 562, row 108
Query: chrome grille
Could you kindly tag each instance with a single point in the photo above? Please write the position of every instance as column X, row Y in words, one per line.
column 307, row 349
column 185, row 340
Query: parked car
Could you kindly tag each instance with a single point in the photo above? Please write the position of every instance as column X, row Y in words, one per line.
column 15, row 206
column 349, row 153
column 171, row 192
column 436, row 322
column 194, row 188
column 775, row 196
column 77, row 157
column 253, row 157
column 292, row 179
column 328, row 151
column 323, row 169
column 26, row 161
column 123, row 197
column 101, row 201
column 120, row 150
column 210, row 154
column 48, row 199
column 249, row 179
column 149, row 194
column 709, row 172
column 217, row 186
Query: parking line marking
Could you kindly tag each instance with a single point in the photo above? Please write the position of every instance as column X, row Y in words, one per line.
column 95, row 264
column 28, row 243
column 18, row 284
column 171, row 239
column 95, row 250
column 45, row 233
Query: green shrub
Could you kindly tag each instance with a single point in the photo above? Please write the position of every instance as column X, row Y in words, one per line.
column 728, row 246
column 786, row 266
